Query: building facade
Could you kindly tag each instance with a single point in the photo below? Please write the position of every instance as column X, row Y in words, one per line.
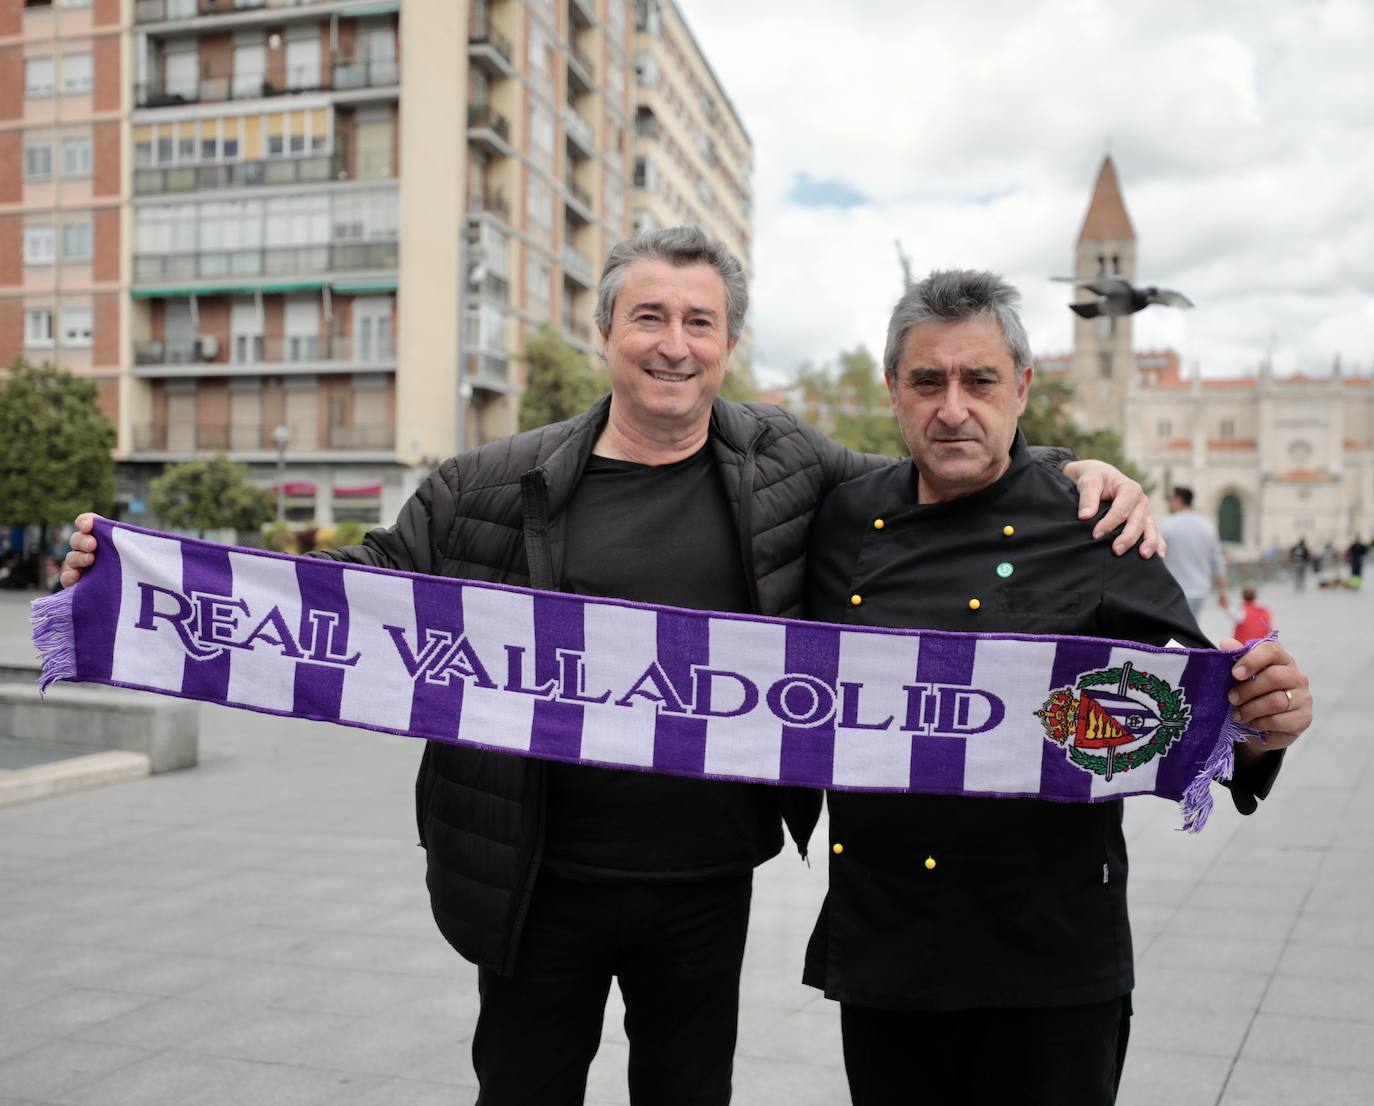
column 313, row 234
column 1270, row 459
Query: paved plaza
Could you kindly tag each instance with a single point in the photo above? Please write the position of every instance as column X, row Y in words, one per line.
column 256, row 930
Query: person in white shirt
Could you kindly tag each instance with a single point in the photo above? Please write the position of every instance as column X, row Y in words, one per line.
column 1194, row 551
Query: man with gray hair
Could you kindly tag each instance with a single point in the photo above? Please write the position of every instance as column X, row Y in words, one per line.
column 979, row 947
column 556, row 878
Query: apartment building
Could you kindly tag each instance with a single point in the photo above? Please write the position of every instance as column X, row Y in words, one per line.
column 314, row 234
column 693, row 158
column 63, row 220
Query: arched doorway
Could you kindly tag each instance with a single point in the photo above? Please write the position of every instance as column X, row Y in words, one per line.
column 1231, row 519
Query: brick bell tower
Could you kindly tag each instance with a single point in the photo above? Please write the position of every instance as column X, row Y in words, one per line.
column 1102, row 358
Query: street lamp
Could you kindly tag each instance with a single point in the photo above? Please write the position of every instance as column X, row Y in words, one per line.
column 280, row 437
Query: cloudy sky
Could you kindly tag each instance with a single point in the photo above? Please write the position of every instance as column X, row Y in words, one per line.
column 1242, row 131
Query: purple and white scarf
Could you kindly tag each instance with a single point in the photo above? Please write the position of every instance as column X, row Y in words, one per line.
column 630, row 685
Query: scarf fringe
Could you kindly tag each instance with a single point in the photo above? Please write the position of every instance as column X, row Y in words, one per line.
column 54, row 638
column 1196, row 804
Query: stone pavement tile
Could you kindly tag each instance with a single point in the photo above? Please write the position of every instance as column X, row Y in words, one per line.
column 1318, row 1042
column 760, row 1082
column 1234, row 954
column 15, row 1044
column 53, row 1069
column 1306, row 960
column 1258, row 1083
column 1170, row 1026
column 797, row 1038
column 607, row 1079
column 269, row 1035
column 1157, row 891
column 162, row 1023
column 414, row 1092
column 1334, row 929
column 1351, row 999
column 1232, row 895
column 1153, row 1076
column 175, row 1078
column 392, row 954
column 1255, row 925
column 1341, row 895
column 1270, row 865
column 21, row 991
column 450, row 1057
column 70, row 1011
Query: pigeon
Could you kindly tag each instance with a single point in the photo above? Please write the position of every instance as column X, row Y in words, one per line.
column 1120, row 297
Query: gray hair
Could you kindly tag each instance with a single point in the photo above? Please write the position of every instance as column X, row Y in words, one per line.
column 679, row 246
column 957, row 296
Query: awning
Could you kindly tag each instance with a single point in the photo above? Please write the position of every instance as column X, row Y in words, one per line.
column 359, row 490
column 228, row 289
column 363, row 287
column 373, row 9
column 296, row 488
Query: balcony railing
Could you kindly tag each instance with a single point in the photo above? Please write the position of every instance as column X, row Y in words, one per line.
column 494, row 202
column 257, row 351
column 270, row 261
column 577, row 265
column 158, row 11
column 486, row 117
column 579, row 194
column 240, row 174
column 579, row 130
column 160, row 437
column 345, row 74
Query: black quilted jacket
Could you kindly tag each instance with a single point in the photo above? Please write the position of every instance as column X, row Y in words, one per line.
column 496, row 514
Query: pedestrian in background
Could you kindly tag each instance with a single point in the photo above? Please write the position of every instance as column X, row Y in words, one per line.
column 1255, row 621
column 1300, row 557
column 1194, row 551
column 1355, row 555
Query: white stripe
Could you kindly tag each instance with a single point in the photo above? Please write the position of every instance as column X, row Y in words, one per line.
column 378, row 690
column 1007, row 759
column 620, row 642
column 1169, row 668
column 882, row 664
column 751, row 744
column 153, row 657
column 264, row 676
column 492, row 620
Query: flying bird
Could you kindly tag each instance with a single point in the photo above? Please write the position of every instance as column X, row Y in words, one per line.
column 1120, row 297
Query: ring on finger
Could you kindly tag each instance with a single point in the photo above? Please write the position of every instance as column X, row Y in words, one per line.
column 1290, row 698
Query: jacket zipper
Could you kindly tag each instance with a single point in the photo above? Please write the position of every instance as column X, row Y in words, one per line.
column 746, row 518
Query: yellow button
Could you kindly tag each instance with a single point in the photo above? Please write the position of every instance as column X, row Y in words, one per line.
column 930, row 864
column 855, row 600
column 837, row 848
column 1008, row 531
column 878, row 524
column 973, row 604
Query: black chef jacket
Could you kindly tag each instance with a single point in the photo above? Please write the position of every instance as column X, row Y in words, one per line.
column 945, row 902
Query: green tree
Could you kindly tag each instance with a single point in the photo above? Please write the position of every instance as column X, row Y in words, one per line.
column 562, row 382
column 210, row 493
column 849, row 402
column 54, row 447
column 739, row 385
column 1048, row 420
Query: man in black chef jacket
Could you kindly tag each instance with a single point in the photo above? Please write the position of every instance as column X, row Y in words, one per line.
column 980, row 948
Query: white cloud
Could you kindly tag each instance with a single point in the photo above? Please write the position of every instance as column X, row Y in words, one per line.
column 1243, row 134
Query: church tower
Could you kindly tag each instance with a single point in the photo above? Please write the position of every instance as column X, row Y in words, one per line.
column 1102, row 359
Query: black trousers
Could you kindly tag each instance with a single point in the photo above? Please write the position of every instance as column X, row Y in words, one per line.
column 1042, row 1056
column 676, row 950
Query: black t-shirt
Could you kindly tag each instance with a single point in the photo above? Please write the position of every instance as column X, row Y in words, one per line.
column 655, row 534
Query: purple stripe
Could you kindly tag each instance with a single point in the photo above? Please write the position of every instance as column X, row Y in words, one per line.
column 319, row 687
column 557, row 728
column 937, row 763
column 435, row 708
column 680, row 743
column 1060, row 778
column 95, row 608
column 808, row 755
column 206, row 569
column 1205, row 693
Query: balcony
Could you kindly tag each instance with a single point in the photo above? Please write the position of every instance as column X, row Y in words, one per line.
column 580, row 66
column 489, row 371
column 494, row 203
column 490, row 50
column 265, row 262
column 249, row 354
column 488, row 130
column 213, row 176
column 578, row 266
column 580, row 133
column 362, row 437
column 162, row 11
column 346, row 74
column 579, row 200
column 254, row 437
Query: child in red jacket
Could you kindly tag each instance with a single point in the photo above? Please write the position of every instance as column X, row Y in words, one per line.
column 1255, row 621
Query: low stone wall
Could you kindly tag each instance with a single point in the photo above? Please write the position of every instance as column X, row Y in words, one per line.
column 167, row 731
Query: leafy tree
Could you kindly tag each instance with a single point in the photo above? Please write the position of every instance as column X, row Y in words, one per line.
column 739, row 384
column 54, row 447
column 849, row 402
column 562, row 382
column 1048, row 420
column 211, row 493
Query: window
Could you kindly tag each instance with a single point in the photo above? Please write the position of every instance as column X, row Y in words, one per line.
column 76, row 326
column 250, row 65
column 77, row 73
column 230, row 148
column 1231, row 518
column 1104, row 365
column 38, row 160
column 76, row 157
column 76, row 3
column 182, row 73
column 540, row 202
column 38, row 244
column 1104, row 326
column 38, row 77
column 541, row 132
column 302, row 328
column 38, row 327
column 143, row 155
column 1165, row 428
column 1228, row 430
column 76, row 241
column 186, row 149
column 303, row 62
column 538, row 277
column 209, row 149
column 297, row 144
column 164, row 151
column 274, row 145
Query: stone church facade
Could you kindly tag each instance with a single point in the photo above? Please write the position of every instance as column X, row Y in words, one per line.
column 1270, row 459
